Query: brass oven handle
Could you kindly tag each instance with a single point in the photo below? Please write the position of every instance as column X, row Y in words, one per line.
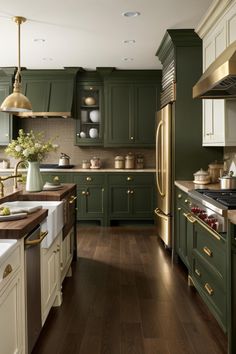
column 160, row 214
column 7, row 271
column 197, row 272
column 209, row 289
column 39, row 240
column 157, row 177
column 207, row 251
column 190, row 218
column 73, row 198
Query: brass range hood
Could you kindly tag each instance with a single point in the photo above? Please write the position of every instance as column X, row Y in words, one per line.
column 219, row 80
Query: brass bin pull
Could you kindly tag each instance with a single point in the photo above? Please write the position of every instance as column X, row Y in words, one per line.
column 207, row 251
column 7, row 271
column 209, row 289
column 39, row 240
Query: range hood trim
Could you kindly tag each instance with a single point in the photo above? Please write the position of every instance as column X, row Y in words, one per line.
column 219, row 80
column 43, row 114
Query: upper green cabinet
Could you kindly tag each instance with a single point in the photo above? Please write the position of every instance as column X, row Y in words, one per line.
column 131, row 101
column 50, row 90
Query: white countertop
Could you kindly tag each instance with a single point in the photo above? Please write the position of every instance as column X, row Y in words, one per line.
column 77, row 169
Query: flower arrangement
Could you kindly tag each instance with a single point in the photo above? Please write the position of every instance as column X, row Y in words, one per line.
column 30, row 146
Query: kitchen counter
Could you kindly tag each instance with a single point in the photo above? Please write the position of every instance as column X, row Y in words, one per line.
column 47, row 195
column 77, row 169
column 186, row 186
column 17, row 229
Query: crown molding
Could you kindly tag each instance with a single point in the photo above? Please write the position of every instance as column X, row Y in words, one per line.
column 215, row 11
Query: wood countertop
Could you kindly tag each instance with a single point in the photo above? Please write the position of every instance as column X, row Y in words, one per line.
column 17, row 229
column 47, row 195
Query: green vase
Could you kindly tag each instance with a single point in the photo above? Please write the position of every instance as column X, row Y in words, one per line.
column 34, row 181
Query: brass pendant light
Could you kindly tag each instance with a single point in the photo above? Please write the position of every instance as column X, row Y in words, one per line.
column 17, row 102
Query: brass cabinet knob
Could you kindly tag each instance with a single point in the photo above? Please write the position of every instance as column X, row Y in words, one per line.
column 83, row 192
column 179, row 209
column 129, row 178
column 89, row 179
column 131, row 138
column 179, row 196
column 128, row 191
column 131, row 192
column 87, row 193
column 186, row 201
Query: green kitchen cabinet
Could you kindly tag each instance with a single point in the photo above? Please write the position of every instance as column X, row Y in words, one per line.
column 91, row 197
column 89, row 124
column 131, row 196
column 183, row 228
column 131, row 101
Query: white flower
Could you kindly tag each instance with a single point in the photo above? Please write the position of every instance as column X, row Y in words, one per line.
column 55, row 146
column 18, row 148
column 37, row 145
column 26, row 152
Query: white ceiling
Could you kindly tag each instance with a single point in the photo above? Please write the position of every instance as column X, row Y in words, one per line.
column 90, row 33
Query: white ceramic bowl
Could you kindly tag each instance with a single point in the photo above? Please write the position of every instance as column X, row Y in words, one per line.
column 95, row 116
column 93, row 133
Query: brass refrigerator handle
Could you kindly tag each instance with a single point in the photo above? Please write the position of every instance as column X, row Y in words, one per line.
column 37, row 241
column 160, row 214
column 157, row 177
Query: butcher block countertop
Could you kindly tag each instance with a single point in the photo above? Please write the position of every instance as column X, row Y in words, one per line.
column 17, row 229
column 47, row 195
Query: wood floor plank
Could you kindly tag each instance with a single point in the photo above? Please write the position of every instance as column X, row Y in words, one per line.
column 127, row 297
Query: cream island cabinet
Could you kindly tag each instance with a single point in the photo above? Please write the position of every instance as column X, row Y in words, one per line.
column 12, row 295
column 218, row 31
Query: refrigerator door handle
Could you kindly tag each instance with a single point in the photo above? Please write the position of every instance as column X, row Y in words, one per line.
column 159, row 213
column 160, row 124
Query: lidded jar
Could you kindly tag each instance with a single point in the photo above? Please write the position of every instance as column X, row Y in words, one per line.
column 201, row 177
column 139, row 161
column 215, row 171
column 85, row 164
column 119, row 162
column 129, row 160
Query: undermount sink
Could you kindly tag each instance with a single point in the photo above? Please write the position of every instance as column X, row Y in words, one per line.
column 54, row 221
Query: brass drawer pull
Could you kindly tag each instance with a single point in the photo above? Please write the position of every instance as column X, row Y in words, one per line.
column 209, row 289
column 73, row 198
column 179, row 196
column 207, row 251
column 129, row 178
column 89, row 179
column 7, row 271
column 197, row 272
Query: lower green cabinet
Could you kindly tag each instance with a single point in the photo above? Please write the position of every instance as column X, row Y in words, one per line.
column 105, row 197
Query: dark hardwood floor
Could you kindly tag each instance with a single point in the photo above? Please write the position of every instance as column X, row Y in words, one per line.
column 126, row 297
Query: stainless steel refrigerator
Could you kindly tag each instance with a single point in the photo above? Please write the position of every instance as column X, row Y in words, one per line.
column 164, row 175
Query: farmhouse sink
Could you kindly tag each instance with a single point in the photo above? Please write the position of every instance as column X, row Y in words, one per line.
column 5, row 245
column 54, row 221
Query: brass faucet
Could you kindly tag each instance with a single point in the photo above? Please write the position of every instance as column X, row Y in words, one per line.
column 4, row 179
column 16, row 175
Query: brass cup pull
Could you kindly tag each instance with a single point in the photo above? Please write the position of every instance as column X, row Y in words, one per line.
column 37, row 241
column 89, row 179
column 207, row 251
column 209, row 289
column 197, row 272
column 73, row 198
column 129, row 178
column 7, row 271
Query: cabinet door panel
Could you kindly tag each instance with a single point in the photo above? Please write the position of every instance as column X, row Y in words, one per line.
column 145, row 99
column 120, row 201
column 119, row 112
column 94, row 201
column 218, row 122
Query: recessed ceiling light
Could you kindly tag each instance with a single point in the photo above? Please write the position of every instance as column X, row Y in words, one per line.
column 131, row 13
column 47, row 59
column 128, row 59
column 39, row 40
column 129, row 41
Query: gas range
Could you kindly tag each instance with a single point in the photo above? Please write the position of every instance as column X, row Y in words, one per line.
column 211, row 206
